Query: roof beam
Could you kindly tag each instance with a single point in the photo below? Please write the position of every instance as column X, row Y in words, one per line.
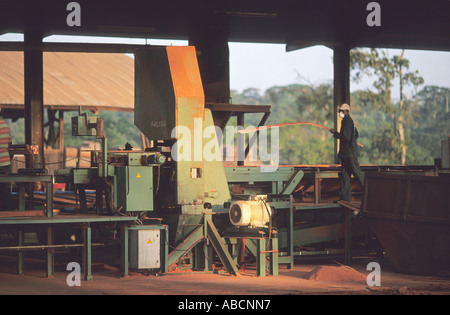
column 74, row 47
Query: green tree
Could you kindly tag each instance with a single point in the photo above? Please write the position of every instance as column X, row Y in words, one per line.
column 431, row 123
column 386, row 70
column 283, row 100
column 316, row 105
column 291, row 103
column 303, row 103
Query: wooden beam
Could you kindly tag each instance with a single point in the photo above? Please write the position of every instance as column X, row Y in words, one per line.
column 24, row 213
column 74, row 47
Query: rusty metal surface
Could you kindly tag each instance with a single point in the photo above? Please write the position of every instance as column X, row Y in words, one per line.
column 410, row 215
column 404, row 197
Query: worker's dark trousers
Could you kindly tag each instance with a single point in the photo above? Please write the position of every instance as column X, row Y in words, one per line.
column 350, row 165
column 6, row 201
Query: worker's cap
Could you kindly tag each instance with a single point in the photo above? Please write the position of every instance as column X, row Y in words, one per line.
column 345, row 106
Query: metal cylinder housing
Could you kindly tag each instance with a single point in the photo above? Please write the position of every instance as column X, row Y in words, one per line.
column 250, row 213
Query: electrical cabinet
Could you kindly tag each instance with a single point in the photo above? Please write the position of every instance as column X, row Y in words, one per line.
column 145, row 249
column 133, row 187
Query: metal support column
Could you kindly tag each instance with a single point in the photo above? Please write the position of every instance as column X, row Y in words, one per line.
column 317, row 188
column 261, row 257
column 165, row 250
column 34, row 96
column 50, row 253
column 124, row 251
column 81, row 189
column 213, row 61
column 87, row 253
column 240, row 140
column 49, row 193
column 202, row 257
column 273, row 257
column 290, row 231
column 341, row 70
column 289, row 258
column 22, row 187
column 20, row 254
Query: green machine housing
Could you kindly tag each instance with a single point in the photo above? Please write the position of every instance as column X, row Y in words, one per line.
column 170, row 108
column 133, row 179
column 134, row 182
column 134, row 188
column 130, row 172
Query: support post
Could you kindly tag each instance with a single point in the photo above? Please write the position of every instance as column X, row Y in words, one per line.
column 34, row 96
column 317, row 188
column 341, row 70
column 261, row 257
column 274, row 257
column 290, row 232
column 87, row 250
column 202, row 256
column 50, row 253
column 240, row 140
column 124, row 251
column 22, row 187
column 20, row 254
column 165, row 250
column 49, row 208
column 213, row 61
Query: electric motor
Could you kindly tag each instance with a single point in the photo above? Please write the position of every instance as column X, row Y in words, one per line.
column 157, row 158
column 255, row 213
column 153, row 159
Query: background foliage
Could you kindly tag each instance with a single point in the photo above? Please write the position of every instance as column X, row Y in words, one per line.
column 425, row 116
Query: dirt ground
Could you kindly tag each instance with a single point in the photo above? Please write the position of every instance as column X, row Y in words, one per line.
column 325, row 277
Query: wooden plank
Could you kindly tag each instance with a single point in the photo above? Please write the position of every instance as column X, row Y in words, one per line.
column 350, row 205
column 24, row 213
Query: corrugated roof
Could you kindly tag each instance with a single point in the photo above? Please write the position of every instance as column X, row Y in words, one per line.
column 91, row 80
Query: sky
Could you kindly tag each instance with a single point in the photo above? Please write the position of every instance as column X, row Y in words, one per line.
column 266, row 65
column 263, row 66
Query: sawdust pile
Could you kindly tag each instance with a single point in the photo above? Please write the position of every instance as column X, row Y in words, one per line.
column 335, row 274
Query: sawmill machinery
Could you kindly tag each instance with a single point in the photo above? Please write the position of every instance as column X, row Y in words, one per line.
column 125, row 176
column 172, row 181
column 168, row 97
column 193, row 189
column 184, row 192
column 189, row 209
column 195, row 197
column 192, row 211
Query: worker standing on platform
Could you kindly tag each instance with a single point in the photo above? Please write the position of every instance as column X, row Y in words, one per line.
column 5, row 165
column 348, row 153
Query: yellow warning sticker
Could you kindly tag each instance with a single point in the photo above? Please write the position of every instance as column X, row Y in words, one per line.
column 138, row 175
column 149, row 241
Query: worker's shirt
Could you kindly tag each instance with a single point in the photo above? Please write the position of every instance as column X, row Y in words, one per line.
column 347, row 137
column 5, row 138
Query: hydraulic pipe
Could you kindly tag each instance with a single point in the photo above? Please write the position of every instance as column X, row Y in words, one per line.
column 286, row 124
